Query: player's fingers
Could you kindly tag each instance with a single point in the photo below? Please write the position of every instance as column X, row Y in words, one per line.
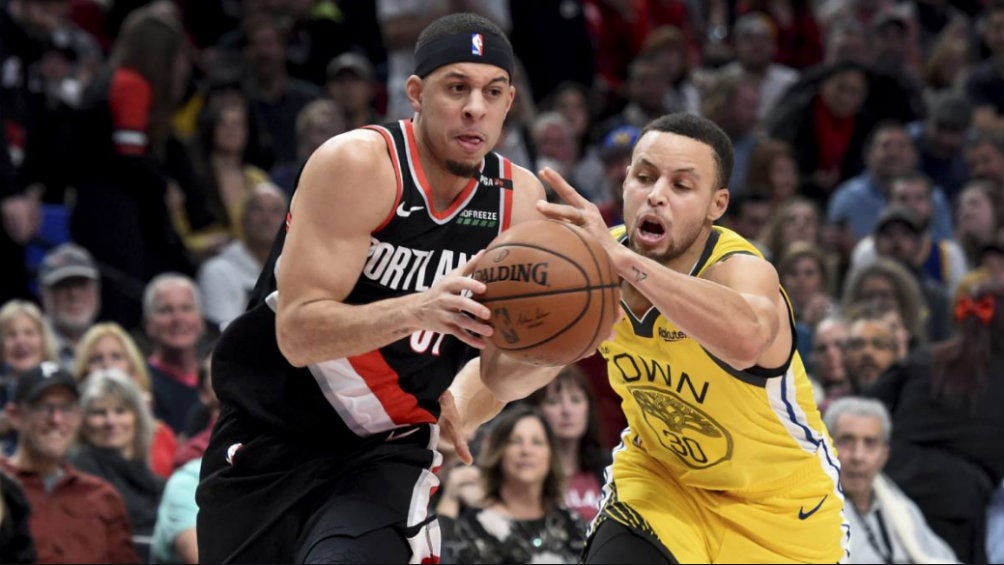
column 470, row 339
column 560, row 212
column 561, row 186
column 452, row 427
column 470, row 324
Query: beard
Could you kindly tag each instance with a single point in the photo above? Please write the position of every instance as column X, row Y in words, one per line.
column 674, row 250
column 462, row 169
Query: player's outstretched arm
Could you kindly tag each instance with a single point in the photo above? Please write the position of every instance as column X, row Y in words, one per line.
column 346, row 191
column 735, row 310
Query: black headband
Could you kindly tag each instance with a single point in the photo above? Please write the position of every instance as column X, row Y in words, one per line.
column 485, row 48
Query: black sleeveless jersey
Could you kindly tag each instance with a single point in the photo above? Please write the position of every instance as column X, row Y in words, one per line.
column 396, row 385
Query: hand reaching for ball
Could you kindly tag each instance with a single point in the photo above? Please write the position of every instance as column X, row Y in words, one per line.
column 577, row 210
column 448, row 307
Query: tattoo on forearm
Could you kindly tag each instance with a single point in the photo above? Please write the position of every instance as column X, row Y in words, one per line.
column 639, row 275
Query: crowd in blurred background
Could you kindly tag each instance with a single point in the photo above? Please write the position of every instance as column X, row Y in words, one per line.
column 149, row 149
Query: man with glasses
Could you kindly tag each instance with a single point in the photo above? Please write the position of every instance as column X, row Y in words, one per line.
column 75, row 517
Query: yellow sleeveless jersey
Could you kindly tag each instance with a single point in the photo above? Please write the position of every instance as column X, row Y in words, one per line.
column 710, row 425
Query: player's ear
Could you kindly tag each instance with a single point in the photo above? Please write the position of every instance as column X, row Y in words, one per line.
column 413, row 88
column 719, row 203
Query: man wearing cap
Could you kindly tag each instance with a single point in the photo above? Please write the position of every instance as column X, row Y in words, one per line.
column 939, row 140
column 75, row 517
column 70, row 285
column 942, row 260
column 330, row 384
column 350, row 84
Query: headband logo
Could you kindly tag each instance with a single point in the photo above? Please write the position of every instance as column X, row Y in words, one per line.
column 477, row 44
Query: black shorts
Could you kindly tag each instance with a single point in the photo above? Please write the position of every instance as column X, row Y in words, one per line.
column 276, row 497
column 613, row 542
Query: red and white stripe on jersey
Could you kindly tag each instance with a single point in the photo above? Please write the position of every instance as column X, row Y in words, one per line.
column 365, row 392
column 425, row 544
column 397, row 173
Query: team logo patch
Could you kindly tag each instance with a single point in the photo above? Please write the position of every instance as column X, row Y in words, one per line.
column 690, row 433
column 477, row 44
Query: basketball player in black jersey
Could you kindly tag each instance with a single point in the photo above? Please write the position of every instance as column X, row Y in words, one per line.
column 330, row 384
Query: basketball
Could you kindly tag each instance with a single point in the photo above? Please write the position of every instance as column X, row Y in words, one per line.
column 552, row 290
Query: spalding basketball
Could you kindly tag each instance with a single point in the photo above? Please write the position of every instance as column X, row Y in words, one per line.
column 552, row 290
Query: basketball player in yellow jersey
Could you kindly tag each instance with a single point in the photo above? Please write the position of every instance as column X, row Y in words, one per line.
column 725, row 459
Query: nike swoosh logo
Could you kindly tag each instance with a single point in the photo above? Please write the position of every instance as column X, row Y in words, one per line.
column 405, row 213
column 802, row 514
column 394, row 434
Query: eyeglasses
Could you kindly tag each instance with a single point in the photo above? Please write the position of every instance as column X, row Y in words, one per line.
column 48, row 410
column 858, row 343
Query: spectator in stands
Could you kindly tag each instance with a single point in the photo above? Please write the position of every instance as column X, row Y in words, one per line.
column 980, row 213
column 731, row 101
column 219, row 155
column 352, row 85
column 225, row 281
column 797, row 220
column 941, row 260
column 16, row 543
column 947, row 60
column 984, row 83
column 773, row 172
column 805, row 276
column 945, row 401
column 400, row 24
column 870, row 347
column 277, row 97
column 318, row 122
column 122, row 132
column 174, row 538
column 858, row 202
column 885, row 525
column 890, row 284
column 173, row 321
column 569, row 406
column 27, row 341
column 615, row 153
column 76, row 517
column 108, row 346
column 939, row 140
column 826, row 125
column 667, row 45
column 114, row 444
column 826, row 361
column 755, row 46
column 748, row 215
column 984, row 155
column 71, row 296
column 523, row 519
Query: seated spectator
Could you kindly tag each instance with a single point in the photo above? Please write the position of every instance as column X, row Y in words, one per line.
column 226, row 280
column 984, row 155
column 827, row 360
column 748, row 215
column 523, row 519
column 108, row 346
column 772, row 172
column 615, row 154
column 939, row 140
column 27, row 341
column 316, row 123
column 890, row 284
column 797, row 220
column 71, row 296
column 16, row 544
column 805, row 276
column 352, row 85
column 569, row 406
column 174, row 538
column 939, row 259
column 980, row 212
column 172, row 313
column 885, row 525
column 870, row 347
column 945, row 400
column 63, row 499
column 115, row 444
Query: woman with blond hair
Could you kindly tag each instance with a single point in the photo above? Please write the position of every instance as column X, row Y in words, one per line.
column 27, row 340
column 108, row 346
column 114, row 444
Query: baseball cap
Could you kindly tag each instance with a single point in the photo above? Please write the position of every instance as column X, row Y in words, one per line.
column 350, row 61
column 897, row 214
column 67, row 260
column 32, row 383
column 620, row 141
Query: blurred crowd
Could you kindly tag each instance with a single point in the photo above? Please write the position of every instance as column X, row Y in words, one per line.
column 150, row 149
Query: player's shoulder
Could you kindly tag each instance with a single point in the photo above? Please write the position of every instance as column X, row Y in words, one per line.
column 523, row 180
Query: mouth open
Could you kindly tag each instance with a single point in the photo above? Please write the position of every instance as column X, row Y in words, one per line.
column 650, row 231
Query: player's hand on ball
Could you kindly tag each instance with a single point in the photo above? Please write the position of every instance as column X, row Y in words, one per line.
column 448, row 307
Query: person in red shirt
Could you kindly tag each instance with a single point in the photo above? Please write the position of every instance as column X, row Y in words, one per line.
column 75, row 517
